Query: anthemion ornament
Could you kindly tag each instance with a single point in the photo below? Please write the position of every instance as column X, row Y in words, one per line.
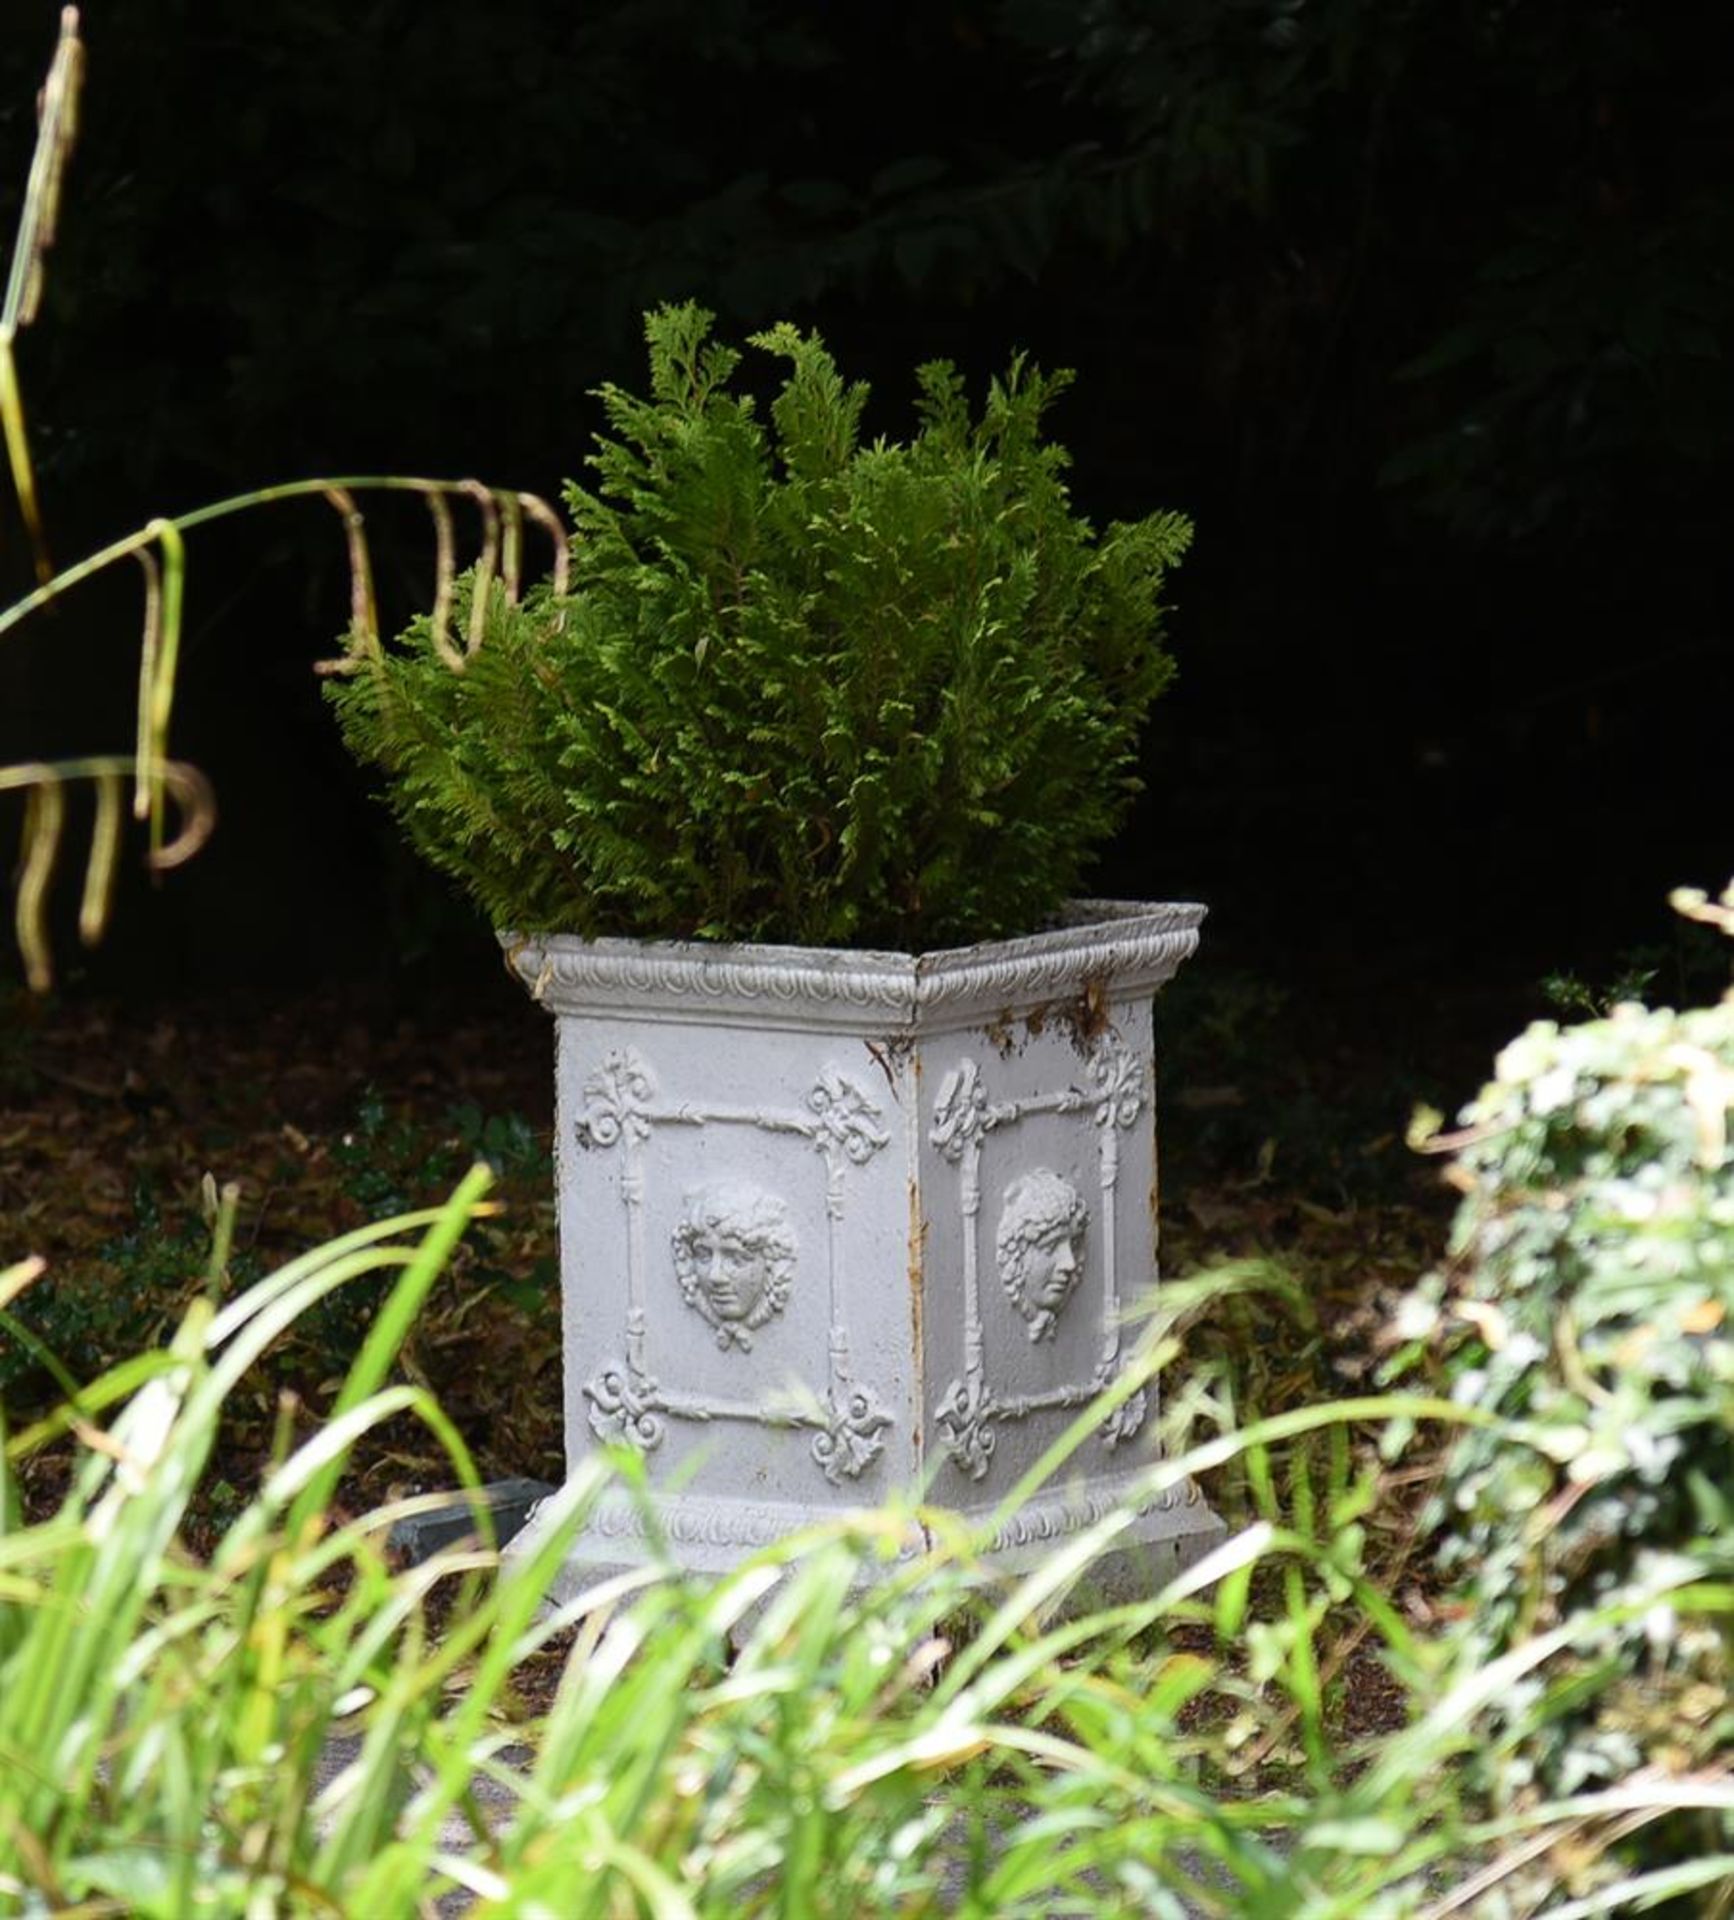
column 835, row 1224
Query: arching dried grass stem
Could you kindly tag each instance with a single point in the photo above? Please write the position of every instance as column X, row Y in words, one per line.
column 147, row 674
column 512, row 547
column 44, row 819
column 167, row 659
column 363, row 612
column 545, row 517
column 487, row 562
column 44, row 785
column 445, row 569
column 104, row 862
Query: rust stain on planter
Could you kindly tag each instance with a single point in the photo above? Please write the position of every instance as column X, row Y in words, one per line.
column 1001, row 1033
column 888, row 1055
column 915, row 1271
column 1082, row 1015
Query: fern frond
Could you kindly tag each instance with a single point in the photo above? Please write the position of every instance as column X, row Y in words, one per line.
column 800, row 689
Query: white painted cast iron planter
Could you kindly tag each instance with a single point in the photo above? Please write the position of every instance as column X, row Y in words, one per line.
column 834, row 1223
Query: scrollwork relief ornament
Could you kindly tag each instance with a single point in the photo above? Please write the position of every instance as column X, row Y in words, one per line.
column 1126, row 1422
column 847, row 1121
column 1040, row 1246
column 964, row 1418
column 734, row 1257
column 624, row 1407
column 855, row 1437
column 960, row 1112
column 617, row 1099
column 1117, row 1082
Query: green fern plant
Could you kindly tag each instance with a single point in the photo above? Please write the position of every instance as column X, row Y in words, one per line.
column 803, row 688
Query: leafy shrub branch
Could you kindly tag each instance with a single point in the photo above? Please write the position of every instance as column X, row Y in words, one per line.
column 805, row 688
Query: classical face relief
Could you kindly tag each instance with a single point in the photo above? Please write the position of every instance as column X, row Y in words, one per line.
column 1040, row 1247
column 734, row 1256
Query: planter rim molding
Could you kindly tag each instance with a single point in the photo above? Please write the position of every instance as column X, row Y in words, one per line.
column 1129, row 946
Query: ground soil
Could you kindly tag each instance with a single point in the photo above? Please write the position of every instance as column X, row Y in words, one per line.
column 1283, row 1112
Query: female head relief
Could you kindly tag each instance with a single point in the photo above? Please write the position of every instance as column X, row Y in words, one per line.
column 1039, row 1246
column 734, row 1257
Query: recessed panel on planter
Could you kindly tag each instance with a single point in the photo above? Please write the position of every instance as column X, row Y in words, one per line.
column 712, row 1322
column 1035, row 1137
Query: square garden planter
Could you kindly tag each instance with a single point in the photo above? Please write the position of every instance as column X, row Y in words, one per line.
column 834, row 1223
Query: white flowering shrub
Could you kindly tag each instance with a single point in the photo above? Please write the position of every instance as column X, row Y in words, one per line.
column 1589, row 1297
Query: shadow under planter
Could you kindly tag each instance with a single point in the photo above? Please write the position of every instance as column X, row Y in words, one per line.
column 835, row 1224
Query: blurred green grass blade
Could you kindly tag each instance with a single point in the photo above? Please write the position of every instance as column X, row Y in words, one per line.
column 267, row 1293
column 1302, row 1503
column 1231, row 1602
column 11, row 1519
column 397, row 1312
column 391, row 1325
column 1302, row 1675
column 80, row 1403
column 496, row 1627
column 1638, row 1893
column 1255, row 1463
column 221, row 1206
column 21, row 1274
column 45, row 1357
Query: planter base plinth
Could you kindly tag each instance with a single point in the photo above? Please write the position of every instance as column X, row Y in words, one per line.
column 709, row 1537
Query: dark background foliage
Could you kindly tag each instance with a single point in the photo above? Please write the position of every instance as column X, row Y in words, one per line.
column 1419, row 307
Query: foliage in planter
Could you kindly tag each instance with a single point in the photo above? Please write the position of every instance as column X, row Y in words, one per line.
column 804, row 688
column 1593, row 1267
